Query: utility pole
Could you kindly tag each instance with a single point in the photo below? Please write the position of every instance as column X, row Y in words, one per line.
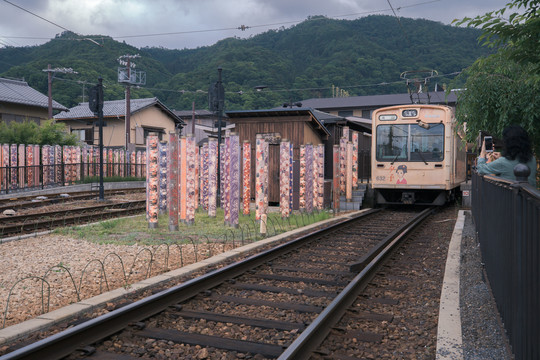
column 129, row 77
column 95, row 103
column 50, row 76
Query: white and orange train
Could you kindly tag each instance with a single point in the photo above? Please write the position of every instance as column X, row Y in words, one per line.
column 417, row 155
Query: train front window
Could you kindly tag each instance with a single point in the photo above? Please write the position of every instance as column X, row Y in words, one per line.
column 410, row 142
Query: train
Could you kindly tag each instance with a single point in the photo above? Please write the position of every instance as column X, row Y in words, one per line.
column 417, row 156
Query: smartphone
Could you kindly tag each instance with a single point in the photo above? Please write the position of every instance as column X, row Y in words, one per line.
column 489, row 143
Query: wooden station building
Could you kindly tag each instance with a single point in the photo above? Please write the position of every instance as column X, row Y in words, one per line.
column 301, row 126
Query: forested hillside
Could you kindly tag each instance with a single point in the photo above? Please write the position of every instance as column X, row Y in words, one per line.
column 363, row 56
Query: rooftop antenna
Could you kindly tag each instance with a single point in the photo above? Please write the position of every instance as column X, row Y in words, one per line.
column 418, row 83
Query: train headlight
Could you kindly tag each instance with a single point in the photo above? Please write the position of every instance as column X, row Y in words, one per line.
column 409, row 113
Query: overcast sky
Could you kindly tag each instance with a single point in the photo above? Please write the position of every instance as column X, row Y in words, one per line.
column 193, row 23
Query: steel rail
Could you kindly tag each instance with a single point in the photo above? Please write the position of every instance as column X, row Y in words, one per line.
column 67, row 341
column 311, row 338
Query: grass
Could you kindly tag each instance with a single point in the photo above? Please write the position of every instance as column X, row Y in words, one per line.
column 135, row 230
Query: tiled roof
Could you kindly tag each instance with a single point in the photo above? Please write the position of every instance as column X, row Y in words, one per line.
column 19, row 92
column 115, row 108
column 438, row 97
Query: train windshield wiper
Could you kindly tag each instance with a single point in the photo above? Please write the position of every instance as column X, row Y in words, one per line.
column 422, row 157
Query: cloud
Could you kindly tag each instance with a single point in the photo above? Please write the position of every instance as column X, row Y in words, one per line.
column 202, row 22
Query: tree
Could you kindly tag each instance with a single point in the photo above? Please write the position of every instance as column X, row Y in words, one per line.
column 499, row 92
column 29, row 132
column 519, row 34
column 503, row 88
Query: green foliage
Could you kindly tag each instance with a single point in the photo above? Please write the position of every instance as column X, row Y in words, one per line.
column 363, row 56
column 500, row 92
column 29, row 132
column 519, row 31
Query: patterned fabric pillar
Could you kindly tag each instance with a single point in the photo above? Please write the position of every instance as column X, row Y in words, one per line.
column 342, row 164
column 152, row 176
column 291, row 161
column 246, row 176
column 5, row 166
column 284, row 181
column 212, row 177
column 14, row 164
column 58, row 168
column 226, row 170
column 302, row 177
column 204, row 176
column 77, row 162
column 133, row 163
column 320, row 177
column 30, row 165
column 173, row 181
column 355, row 159
column 345, row 133
column 221, row 173
column 266, row 177
column 259, row 177
column 191, row 161
column 36, row 165
column 348, row 192
column 162, row 176
column 84, row 161
column 234, row 203
column 183, row 179
column 66, row 160
column 22, row 158
column 336, row 187
column 45, row 163
column 197, row 175
column 309, row 178
column 123, row 162
column 143, row 162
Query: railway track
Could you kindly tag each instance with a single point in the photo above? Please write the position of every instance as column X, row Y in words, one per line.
column 280, row 303
column 33, row 215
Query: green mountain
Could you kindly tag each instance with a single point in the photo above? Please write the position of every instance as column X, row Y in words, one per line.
column 361, row 57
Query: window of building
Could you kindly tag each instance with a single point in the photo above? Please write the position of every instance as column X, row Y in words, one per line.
column 84, row 135
column 345, row 113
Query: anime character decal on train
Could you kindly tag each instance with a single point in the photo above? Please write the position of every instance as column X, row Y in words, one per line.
column 401, row 171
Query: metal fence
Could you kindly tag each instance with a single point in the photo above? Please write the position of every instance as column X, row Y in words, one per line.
column 507, row 219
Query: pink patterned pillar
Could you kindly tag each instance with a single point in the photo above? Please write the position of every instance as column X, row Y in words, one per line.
column 197, row 175
column 259, row 176
column 302, row 177
column 320, row 177
column 284, row 181
column 29, row 166
column 342, row 164
column 59, row 169
column 204, row 176
column 246, row 176
column 309, row 178
column 163, row 189
column 45, row 163
column 349, row 177
column 336, row 183
column 212, row 176
column 183, row 179
column 234, row 179
column 355, row 159
column 173, row 182
column 14, row 164
column 226, row 170
column 191, row 161
column 152, row 176
column 5, row 166
column 22, row 158
column 345, row 133
column 36, row 165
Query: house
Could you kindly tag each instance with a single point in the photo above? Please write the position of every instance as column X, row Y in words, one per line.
column 301, row 126
column 20, row 102
column 363, row 106
column 203, row 124
column 146, row 116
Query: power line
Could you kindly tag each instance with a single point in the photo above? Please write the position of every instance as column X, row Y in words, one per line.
column 241, row 27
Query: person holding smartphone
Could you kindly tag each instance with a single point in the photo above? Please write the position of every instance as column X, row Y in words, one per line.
column 517, row 149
